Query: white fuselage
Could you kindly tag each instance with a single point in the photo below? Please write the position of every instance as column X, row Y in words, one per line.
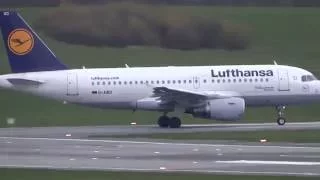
column 259, row 85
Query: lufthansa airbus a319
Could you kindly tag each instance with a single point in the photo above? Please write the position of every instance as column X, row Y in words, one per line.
column 210, row 92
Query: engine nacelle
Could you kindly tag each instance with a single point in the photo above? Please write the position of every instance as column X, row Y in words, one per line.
column 220, row 109
column 152, row 104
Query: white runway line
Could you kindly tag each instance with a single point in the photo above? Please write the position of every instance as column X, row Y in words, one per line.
column 297, row 163
column 167, row 170
column 160, row 143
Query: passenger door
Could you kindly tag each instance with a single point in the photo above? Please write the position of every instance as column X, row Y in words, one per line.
column 72, row 84
column 283, row 79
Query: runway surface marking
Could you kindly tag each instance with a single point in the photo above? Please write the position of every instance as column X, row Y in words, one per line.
column 160, row 143
column 168, row 170
column 271, row 162
column 71, row 148
column 112, row 130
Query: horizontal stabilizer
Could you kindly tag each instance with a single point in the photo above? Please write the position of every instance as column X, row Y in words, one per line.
column 25, row 82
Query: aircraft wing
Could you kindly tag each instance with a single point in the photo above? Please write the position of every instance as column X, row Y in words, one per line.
column 189, row 98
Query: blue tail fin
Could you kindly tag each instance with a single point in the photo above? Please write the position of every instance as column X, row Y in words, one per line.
column 26, row 51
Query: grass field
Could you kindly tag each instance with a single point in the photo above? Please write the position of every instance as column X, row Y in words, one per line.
column 294, row 136
column 16, row 174
column 288, row 35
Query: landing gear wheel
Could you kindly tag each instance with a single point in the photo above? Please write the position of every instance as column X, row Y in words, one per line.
column 163, row 121
column 281, row 121
column 175, row 122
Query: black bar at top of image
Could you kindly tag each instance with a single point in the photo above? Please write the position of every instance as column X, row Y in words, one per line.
column 29, row 3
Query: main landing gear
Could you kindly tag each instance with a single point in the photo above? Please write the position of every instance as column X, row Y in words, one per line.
column 281, row 120
column 165, row 122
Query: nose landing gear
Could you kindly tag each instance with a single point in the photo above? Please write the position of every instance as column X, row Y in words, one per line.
column 281, row 120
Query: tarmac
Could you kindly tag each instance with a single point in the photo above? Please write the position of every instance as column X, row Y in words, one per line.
column 73, row 148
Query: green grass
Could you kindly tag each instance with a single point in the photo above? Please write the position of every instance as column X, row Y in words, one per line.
column 288, row 35
column 298, row 136
column 25, row 174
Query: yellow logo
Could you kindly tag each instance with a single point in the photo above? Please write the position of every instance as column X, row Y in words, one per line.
column 20, row 41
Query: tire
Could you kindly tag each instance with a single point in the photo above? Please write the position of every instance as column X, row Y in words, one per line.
column 175, row 122
column 281, row 121
column 163, row 121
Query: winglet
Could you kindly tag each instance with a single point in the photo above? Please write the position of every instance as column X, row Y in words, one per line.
column 127, row 66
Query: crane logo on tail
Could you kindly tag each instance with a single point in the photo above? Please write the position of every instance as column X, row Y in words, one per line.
column 20, row 41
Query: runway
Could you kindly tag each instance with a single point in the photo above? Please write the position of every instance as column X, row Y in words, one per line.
column 104, row 131
column 89, row 154
column 75, row 148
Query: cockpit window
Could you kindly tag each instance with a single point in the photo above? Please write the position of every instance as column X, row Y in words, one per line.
column 306, row 78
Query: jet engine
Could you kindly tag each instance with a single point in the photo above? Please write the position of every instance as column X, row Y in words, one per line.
column 151, row 104
column 220, row 109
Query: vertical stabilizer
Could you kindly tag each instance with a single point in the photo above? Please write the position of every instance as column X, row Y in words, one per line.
column 26, row 51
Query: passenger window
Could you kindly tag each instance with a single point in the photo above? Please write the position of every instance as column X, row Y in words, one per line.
column 125, row 83
column 229, row 80
column 109, row 83
column 130, row 82
column 223, row 80
column 92, row 83
column 136, row 82
column 234, row 80
column 98, row 83
column 104, row 83
column 245, row 80
column 173, row 81
column 218, row 81
column 179, row 81
column 212, row 80
column 114, row 83
column 190, row 81
column 163, row 82
column 185, row 81
column 204, row 81
column 168, row 81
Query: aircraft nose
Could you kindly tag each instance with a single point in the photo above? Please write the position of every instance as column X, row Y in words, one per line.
column 317, row 87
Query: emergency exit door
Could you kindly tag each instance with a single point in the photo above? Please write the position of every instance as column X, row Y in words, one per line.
column 196, row 82
column 283, row 80
column 72, row 84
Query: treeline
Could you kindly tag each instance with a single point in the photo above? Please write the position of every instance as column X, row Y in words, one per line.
column 290, row 3
column 129, row 24
column 25, row 3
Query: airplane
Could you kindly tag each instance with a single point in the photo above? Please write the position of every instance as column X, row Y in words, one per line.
column 220, row 92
